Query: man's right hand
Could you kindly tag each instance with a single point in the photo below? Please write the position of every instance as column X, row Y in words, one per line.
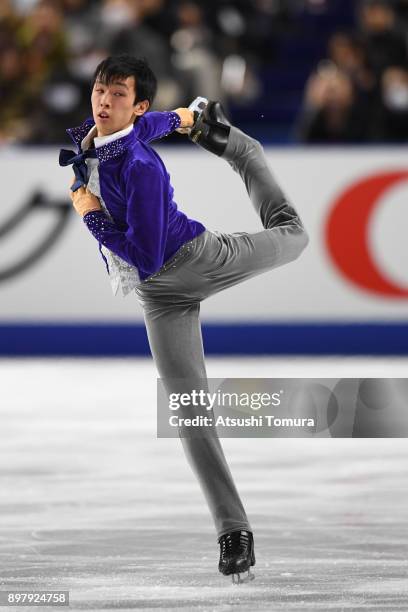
column 84, row 201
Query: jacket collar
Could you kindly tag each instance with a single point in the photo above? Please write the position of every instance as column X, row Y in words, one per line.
column 111, row 150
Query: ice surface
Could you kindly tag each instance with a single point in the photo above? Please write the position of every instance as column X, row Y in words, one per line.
column 92, row 502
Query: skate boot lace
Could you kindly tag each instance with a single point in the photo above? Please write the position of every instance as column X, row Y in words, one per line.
column 234, row 543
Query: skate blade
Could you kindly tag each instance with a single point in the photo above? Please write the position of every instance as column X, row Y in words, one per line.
column 196, row 136
column 198, row 104
column 236, row 578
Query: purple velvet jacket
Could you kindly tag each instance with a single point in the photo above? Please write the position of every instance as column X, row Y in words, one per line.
column 148, row 228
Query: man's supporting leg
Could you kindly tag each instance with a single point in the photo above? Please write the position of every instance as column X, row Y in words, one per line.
column 175, row 339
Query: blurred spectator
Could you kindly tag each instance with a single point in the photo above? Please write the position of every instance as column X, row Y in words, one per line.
column 359, row 94
column 384, row 41
column 43, row 45
column 401, row 7
column 80, row 25
column 122, row 30
column 348, row 53
column 64, row 101
column 330, row 114
column 15, row 94
column 247, row 28
column 9, row 22
column 42, row 36
column 391, row 123
column 192, row 55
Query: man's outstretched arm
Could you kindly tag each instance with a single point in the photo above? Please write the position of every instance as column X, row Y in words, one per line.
column 154, row 125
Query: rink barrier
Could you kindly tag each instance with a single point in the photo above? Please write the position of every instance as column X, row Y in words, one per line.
column 115, row 340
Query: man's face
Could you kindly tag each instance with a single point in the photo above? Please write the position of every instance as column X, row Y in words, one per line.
column 113, row 105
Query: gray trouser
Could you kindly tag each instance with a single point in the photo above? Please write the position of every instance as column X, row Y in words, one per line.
column 210, row 263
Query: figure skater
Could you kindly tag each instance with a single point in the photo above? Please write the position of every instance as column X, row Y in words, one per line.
column 123, row 193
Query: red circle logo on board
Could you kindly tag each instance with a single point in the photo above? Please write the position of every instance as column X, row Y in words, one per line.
column 347, row 234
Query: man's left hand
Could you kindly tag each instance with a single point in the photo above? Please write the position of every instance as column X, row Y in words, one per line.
column 84, row 201
column 186, row 120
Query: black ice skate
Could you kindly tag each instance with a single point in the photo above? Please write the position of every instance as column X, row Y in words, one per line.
column 211, row 129
column 237, row 555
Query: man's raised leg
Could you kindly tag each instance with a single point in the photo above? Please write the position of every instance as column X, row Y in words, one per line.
column 283, row 239
column 246, row 156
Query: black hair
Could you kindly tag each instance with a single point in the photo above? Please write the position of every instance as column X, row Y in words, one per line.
column 124, row 66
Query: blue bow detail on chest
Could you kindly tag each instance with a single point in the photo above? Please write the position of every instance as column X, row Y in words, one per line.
column 67, row 157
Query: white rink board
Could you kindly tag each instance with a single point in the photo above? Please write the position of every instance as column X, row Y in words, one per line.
column 70, row 282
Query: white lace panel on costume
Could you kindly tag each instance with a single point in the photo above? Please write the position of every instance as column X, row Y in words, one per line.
column 122, row 274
